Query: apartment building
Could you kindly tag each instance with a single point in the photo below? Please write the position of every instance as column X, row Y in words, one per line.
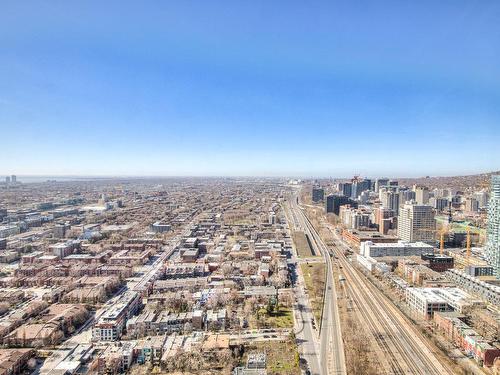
column 417, row 223
column 110, row 325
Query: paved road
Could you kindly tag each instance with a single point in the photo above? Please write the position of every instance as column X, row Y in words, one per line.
column 332, row 357
column 331, row 347
column 305, row 333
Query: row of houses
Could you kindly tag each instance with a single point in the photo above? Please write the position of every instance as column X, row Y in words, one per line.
column 160, row 322
column 157, row 350
column 452, row 326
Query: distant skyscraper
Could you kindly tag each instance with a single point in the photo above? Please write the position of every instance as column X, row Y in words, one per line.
column 333, row 203
column 346, row 188
column 379, row 182
column 416, row 223
column 471, row 205
column 441, row 204
column 368, row 184
column 364, row 197
column 329, row 203
column 389, row 198
column 7, row 180
column 13, row 178
column 393, row 200
column 406, row 196
column 482, row 197
column 384, row 218
column 358, row 186
column 318, row 194
column 493, row 233
column 421, row 194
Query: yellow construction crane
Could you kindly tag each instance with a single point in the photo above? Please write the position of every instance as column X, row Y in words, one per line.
column 468, row 241
column 445, row 230
column 441, row 240
column 467, row 253
column 442, row 233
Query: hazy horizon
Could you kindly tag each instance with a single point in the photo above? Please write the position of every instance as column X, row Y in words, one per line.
column 43, row 178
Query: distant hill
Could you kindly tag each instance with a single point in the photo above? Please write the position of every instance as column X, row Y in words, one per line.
column 477, row 181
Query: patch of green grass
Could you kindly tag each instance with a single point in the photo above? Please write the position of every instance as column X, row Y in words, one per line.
column 280, row 318
column 314, row 278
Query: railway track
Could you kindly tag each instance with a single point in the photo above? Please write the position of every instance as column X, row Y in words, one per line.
column 393, row 363
column 399, row 341
column 406, row 350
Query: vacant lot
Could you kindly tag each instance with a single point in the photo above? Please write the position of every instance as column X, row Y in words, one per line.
column 282, row 317
column 314, row 277
column 282, row 357
column 302, row 245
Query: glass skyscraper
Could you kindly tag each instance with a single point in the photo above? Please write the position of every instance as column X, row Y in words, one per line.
column 493, row 240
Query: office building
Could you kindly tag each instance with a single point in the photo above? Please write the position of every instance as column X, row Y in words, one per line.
column 427, row 301
column 345, row 189
column 406, row 196
column 421, row 194
column 329, row 203
column 493, row 226
column 7, row 180
column 365, row 197
column 359, row 186
column 482, row 197
column 390, row 199
column 399, row 249
column 471, row 205
column 13, row 178
column 318, row 194
column 355, row 236
column 381, row 182
column 440, row 204
column 416, row 223
column 353, row 218
column 333, row 203
column 385, row 219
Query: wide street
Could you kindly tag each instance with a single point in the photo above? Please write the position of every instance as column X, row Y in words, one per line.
column 328, row 343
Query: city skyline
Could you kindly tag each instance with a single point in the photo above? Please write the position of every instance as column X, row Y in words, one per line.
column 249, row 188
column 74, row 177
column 225, row 89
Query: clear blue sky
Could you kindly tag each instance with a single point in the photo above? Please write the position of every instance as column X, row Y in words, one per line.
column 397, row 88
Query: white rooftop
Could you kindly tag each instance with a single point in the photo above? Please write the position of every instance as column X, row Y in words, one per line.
column 398, row 244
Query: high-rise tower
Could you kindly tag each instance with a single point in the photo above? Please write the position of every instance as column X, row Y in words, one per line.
column 493, row 236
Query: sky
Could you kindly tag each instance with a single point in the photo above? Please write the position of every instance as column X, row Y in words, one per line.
column 249, row 88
